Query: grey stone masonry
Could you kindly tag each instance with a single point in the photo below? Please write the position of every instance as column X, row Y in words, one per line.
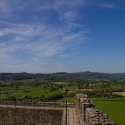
column 39, row 104
column 30, row 116
column 88, row 114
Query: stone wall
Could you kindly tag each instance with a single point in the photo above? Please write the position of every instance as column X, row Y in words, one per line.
column 88, row 114
column 39, row 104
column 23, row 116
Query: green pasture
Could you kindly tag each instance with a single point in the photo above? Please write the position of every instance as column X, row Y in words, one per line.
column 120, row 93
column 69, row 100
column 115, row 110
column 71, row 87
column 62, row 83
column 120, row 99
column 33, row 91
column 114, row 107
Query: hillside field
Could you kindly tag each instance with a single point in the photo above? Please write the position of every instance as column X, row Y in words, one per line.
column 114, row 109
column 120, row 93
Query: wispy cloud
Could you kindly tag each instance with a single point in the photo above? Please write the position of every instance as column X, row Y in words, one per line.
column 70, row 16
column 110, row 6
column 39, row 33
column 28, row 35
column 40, row 40
column 57, row 4
column 5, row 8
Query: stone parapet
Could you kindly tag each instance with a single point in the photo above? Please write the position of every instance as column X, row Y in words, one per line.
column 39, row 104
column 25, row 116
column 88, row 114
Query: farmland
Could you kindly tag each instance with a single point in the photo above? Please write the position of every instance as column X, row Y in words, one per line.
column 114, row 109
column 120, row 93
column 106, row 91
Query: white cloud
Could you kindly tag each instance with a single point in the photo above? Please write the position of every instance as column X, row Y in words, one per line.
column 5, row 8
column 20, row 29
column 57, row 4
column 36, row 41
column 110, row 6
column 70, row 16
column 18, row 38
column 75, row 25
column 40, row 40
column 2, row 44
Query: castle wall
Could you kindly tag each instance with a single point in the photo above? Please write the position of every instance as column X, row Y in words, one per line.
column 86, row 111
column 25, row 116
column 39, row 104
column 88, row 114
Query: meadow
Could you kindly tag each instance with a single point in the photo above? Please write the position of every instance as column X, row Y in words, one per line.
column 113, row 106
column 30, row 92
column 114, row 109
column 120, row 93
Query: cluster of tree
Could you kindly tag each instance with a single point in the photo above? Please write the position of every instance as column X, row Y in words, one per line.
column 54, row 87
column 100, row 93
column 51, row 97
column 103, row 93
column 92, row 86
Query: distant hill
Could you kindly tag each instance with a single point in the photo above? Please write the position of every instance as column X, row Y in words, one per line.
column 62, row 76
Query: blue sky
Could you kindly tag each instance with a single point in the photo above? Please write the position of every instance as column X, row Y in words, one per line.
column 44, row 36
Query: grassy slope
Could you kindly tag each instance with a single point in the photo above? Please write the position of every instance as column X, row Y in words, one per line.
column 34, row 91
column 70, row 100
column 120, row 93
column 115, row 110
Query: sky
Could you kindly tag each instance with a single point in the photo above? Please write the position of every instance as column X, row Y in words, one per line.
column 46, row 36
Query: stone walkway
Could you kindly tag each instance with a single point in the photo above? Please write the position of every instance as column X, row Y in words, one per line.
column 72, row 117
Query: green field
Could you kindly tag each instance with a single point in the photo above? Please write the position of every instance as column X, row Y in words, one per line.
column 30, row 91
column 33, row 91
column 70, row 100
column 114, row 109
column 120, row 93
column 63, row 83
